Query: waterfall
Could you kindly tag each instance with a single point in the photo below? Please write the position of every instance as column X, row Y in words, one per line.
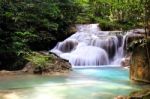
column 92, row 47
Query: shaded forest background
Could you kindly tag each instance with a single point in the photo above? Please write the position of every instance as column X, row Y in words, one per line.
column 27, row 25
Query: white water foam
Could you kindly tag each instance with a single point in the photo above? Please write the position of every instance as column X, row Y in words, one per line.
column 90, row 46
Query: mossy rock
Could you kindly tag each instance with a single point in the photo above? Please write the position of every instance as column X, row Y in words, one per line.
column 44, row 64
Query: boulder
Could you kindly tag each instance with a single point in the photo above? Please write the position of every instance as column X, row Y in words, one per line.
column 139, row 65
column 53, row 65
column 41, row 63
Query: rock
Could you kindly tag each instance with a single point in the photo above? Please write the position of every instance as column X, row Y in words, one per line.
column 143, row 94
column 28, row 68
column 71, row 30
column 38, row 70
column 8, row 73
column 138, row 31
column 139, row 65
column 120, row 97
column 52, row 65
column 42, row 63
column 4, row 72
column 44, row 52
column 125, row 62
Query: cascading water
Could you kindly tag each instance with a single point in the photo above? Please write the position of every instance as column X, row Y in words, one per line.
column 90, row 46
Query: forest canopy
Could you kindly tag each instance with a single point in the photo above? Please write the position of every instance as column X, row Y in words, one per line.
column 39, row 24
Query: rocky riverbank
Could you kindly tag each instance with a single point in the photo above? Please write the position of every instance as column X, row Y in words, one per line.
column 142, row 94
column 42, row 63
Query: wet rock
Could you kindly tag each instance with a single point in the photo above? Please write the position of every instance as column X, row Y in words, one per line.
column 9, row 73
column 143, row 94
column 28, row 68
column 120, row 97
column 139, row 65
column 125, row 62
column 4, row 72
column 52, row 65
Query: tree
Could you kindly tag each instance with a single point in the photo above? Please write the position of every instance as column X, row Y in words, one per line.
column 34, row 24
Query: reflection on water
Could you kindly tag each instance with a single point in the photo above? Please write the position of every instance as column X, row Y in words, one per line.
column 95, row 83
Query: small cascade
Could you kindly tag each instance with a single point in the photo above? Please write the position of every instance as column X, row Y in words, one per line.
column 91, row 46
column 120, row 53
column 90, row 55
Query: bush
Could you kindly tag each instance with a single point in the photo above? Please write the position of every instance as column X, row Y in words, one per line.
column 34, row 24
column 108, row 25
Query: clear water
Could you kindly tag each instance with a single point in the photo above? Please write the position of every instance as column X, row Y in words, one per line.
column 81, row 83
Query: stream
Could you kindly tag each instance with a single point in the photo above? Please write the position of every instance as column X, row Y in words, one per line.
column 96, row 58
column 81, row 83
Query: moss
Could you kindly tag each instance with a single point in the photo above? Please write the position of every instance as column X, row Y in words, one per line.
column 43, row 63
column 38, row 59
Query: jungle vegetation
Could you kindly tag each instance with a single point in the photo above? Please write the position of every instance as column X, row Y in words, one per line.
column 27, row 25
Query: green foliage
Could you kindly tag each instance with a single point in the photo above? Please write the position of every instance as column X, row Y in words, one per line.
column 138, row 43
column 19, row 43
column 38, row 59
column 108, row 25
column 39, row 24
column 30, row 22
column 112, row 14
column 33, row 25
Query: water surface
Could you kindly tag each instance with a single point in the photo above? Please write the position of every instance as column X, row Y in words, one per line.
column 81, row 83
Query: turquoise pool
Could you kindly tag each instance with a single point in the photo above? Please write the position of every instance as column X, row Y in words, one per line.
column 81, row 83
